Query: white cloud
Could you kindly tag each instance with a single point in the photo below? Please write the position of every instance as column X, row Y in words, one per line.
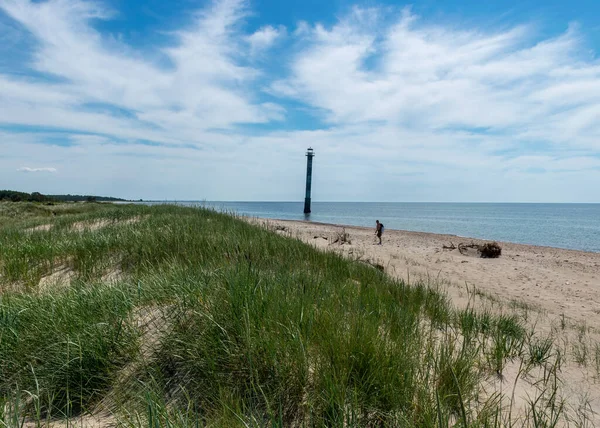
column 418, row 110
column 28, row 169
column 264, row 38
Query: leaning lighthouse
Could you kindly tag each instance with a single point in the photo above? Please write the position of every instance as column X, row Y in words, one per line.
column 309, row 159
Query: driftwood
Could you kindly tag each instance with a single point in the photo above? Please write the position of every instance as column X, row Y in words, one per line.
column 449, row 247
column 341, row 238
column 489, row 250
column 464, row 248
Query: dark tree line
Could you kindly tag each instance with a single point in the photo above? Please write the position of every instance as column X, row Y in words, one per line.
column 11, row 195
column 84, row 198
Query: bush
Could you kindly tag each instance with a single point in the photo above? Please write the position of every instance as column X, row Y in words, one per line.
column 490, row 250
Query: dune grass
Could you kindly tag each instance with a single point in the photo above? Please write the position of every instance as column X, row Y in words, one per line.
column 215, row 322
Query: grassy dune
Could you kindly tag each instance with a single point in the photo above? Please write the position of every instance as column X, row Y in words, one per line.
column 172, row 316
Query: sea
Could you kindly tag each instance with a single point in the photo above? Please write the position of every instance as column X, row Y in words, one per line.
column 570, row 226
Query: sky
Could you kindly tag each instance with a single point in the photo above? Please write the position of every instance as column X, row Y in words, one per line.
column 432, row 101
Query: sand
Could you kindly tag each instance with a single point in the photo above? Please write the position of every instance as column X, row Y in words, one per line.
column 556, row 292
column 556, row 281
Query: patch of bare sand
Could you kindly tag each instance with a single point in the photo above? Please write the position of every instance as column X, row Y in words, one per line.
column 40, row 228
column 100, row 420
column 153, row 323
column 82, row 226
column 60, row 278
column 112, row 276
column 555, row 291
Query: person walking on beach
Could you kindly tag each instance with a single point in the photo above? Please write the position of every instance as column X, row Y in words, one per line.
column 378, row 230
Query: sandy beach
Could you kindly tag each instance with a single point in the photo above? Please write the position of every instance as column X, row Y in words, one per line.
column 556, row 292
column 554, row 281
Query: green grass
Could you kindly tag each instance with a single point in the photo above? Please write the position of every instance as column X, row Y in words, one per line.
column 247, row 328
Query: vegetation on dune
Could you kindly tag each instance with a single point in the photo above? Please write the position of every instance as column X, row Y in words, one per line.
column 14, row 196
column 84, row 198
column 215, row 322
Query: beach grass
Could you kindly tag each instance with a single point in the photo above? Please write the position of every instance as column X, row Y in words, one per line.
column 183, row 316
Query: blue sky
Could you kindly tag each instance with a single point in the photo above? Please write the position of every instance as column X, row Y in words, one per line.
column 424, row 101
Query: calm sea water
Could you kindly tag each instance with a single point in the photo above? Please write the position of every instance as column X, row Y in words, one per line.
column 572, row 226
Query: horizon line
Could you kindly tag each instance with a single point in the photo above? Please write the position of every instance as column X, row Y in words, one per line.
column 361, row 202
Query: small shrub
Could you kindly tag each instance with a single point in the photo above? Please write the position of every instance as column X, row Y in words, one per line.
column 490, row 250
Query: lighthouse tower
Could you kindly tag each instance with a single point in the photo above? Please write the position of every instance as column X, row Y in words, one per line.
column 309, row 159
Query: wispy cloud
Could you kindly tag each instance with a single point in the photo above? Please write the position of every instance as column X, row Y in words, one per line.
column 412, row 74
column 28, row 169
column 205, row 89
column 417, row 109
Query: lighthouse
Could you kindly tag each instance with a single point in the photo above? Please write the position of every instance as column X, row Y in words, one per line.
column 309, row 159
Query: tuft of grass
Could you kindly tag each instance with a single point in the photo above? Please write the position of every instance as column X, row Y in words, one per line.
column 580, row 348
column 457, row 380
column 547, row 408
column 507, row 340
column 540, row 350
column 597, row 358
column 65, row 347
